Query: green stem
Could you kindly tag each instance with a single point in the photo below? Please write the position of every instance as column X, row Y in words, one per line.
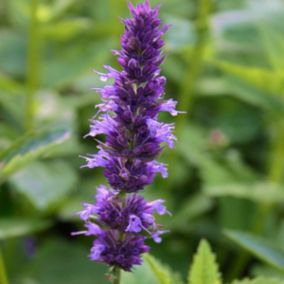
column 4, row 12
column 116, row 276
column 194, row 61
column 32, row 66
column 3, row 275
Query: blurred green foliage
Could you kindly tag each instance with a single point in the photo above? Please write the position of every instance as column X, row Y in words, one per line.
column 225, row 66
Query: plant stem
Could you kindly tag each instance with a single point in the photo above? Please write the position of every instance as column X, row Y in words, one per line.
column 3, row 275
column 195, row 61
column 4, row 12
column 116, row 276
column 32, row 66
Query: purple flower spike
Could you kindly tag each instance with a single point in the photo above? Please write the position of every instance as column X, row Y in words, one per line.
column 120, row 220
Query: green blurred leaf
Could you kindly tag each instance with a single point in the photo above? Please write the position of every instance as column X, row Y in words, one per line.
column 11, row 98
column 46, row 184
column 141, row 274
column 57, row 9
column 29, row 148
column 7, row 84
column 12, row 52
column 85, row 193
column 62, row 262
column 180, row 35
column 53, row 108
column 162, row 273
column 150, row 272
column 259, row 281
column 248, row 93
column 17, row 227
column 263, row 79
column 261, row 248
column 198, row 152
column 262, row 192
column 262, row 270
column 64, row 66
column 204, row 269
column 66, row 29
column 273, row 41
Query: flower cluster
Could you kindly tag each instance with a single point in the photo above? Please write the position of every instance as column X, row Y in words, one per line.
column 120, row 219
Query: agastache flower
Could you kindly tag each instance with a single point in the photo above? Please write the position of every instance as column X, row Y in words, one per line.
column 120, row 220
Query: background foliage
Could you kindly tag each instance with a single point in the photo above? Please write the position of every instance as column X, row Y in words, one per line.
column 225, row 66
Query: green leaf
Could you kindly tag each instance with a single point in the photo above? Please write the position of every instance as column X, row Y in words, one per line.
column 45, row 185
column 198, row 152
column 204, row 269
column 29, row 148
column 259, row 281
column 262, row 270
column 11, row 98
column 248, row 93
column 162, row 273
column 64, row 68
column 61, row 262
column 181, row 35
column 263, row 249
column 263, row 79
column 17, row 227
column 141, row 274
column 263, row 192
column 13, row 52
column 273, row 41
column 66, row 29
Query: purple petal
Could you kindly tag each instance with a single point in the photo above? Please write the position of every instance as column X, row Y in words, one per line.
column 134, row 225
column 89, row 209
column 158, row 206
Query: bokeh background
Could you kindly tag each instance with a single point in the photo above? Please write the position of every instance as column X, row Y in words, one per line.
column 225, row 66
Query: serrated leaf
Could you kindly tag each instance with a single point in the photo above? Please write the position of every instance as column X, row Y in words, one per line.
column 17, row 227
column 259, row 281
column 29, row 148
column 163, row 274
column 204, row 269
column 45, row 185
column 265, row 250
